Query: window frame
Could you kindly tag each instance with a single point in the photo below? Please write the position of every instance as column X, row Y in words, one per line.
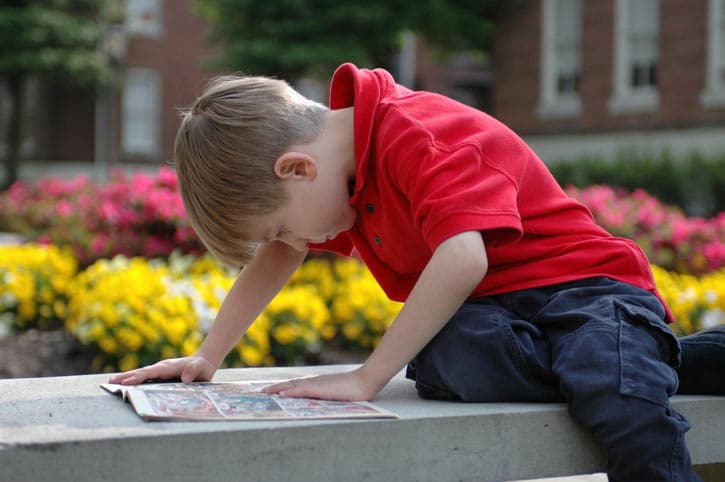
column 713, row 93
column 136, row 26
column 150, row 114
column 552, row 103
column 627, row 98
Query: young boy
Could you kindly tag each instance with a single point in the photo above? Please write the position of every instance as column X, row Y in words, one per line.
column 512, row 292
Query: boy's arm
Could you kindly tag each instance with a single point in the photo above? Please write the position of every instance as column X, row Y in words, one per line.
column 457, row 266
column 257, row 284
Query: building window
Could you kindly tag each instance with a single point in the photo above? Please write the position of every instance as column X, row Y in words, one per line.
column 636, row 57
column 144, row 18
column 714, row 94
column 560, row 59
column 140, row 132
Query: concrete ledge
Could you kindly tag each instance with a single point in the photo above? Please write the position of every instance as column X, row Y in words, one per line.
column 68, row 429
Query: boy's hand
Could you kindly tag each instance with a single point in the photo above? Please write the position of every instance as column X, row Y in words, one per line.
column 348, row 386
column 187, row 369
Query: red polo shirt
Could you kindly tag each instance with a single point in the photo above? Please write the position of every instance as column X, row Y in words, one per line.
column 429, row 168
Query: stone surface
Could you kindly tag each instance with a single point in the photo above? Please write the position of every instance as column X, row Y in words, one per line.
column 69, row 429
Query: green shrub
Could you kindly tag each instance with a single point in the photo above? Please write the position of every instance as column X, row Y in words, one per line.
column 694, row 184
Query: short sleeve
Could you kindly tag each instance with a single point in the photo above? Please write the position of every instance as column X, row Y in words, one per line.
column 456, row 190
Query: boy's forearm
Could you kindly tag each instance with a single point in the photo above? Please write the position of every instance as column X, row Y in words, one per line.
column 456, row 268
column 255, row 287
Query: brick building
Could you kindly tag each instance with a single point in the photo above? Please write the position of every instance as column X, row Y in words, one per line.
column 163, row 72
column 574, row 77
column 159, row 53
column 593, row 77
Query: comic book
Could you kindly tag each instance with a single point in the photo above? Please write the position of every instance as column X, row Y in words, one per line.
column 213, row 401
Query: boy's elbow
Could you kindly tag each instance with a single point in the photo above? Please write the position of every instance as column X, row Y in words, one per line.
column 468, row 253
column 480, row 266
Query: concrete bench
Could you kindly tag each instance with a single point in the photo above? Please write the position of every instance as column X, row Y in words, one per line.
column 69, row 429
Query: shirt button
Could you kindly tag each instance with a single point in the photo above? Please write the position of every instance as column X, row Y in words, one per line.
column 377, row 240
column 370, row 208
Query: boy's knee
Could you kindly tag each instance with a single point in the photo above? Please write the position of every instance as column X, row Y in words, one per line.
column 479, row 356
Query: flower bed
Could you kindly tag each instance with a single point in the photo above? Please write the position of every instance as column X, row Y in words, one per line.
column 125, row 309
column 35, row 286
column 166, row 309
column 134, row 311
column 670, row 239
column 696, row 302
column 140, row 215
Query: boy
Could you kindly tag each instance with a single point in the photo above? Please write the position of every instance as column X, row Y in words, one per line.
column 512, row 292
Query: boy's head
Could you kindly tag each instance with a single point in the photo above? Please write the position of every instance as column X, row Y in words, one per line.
column 225, row 150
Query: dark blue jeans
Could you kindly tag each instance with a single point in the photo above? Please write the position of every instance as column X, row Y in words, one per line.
column 599, row 345
column 703, row 362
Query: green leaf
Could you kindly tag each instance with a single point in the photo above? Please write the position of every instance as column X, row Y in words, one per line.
column 57, row 38
column 292, row 38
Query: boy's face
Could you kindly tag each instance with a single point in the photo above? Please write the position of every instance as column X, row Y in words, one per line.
column 317, row 210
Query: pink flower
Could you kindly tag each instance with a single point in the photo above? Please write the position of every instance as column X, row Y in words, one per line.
column 99, row 245
column 167, row 178
column 157, row 246
column 109, row 211
column 714, row 252
column 63, row 208
column 680, row 230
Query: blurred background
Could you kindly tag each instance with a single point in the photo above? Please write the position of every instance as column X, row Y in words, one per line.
column 623, row 99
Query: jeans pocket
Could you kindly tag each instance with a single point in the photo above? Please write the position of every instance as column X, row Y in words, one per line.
column 529, row 350
column 648, row 350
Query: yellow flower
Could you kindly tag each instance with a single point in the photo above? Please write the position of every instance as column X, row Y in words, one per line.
column 251, row 355
column 27, row 310
column 175, row 329
column 168, row 351
column 285, row 334
column 695, row 302
column 133, row 302
column 191, row 344
column 150, row 334
column 32, row 274
column 109, row 315
column 342, row 310
column 46, row 295
column 128, row 362
column 45, row 311
column 108, row 345
column 96, row 332
column 328, row 332
column 59, row 309
column 352, row 331
column 258, row 334
column 130, row 339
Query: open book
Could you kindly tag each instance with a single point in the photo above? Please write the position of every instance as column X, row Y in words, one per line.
column 213, row 401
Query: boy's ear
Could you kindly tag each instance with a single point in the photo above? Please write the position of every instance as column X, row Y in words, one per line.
column 295, row 165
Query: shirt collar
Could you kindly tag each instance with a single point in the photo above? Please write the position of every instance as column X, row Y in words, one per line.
column 362, row 89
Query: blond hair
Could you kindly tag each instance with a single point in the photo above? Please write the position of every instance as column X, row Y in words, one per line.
column 224, row 154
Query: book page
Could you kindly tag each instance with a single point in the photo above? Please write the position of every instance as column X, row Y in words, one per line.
column 233, row 401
